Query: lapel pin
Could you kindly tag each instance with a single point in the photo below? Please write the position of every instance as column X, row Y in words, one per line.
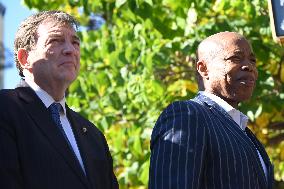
column 84, row 129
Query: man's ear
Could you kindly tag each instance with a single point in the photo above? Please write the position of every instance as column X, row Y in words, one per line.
column 23, row 58
column 202, row 69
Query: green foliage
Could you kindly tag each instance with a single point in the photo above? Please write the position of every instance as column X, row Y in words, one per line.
column 142, row 59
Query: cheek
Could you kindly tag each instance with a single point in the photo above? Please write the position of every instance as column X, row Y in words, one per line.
column 218, row 73
column 230, row 72
column 50, row 53
column 34, row 56
column 78, row 62
column 41, row 70
column 256, row 73
column 217, row 70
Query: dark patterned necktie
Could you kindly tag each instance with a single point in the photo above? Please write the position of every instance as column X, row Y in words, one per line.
column 55, row 109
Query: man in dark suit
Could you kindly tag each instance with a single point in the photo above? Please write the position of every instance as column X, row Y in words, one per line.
column 204, row 142
column 43, row 143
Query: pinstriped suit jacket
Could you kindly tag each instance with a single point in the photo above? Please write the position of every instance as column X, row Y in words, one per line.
column 195, row 144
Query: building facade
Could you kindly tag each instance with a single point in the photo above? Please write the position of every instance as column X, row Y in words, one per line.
column 2, row 50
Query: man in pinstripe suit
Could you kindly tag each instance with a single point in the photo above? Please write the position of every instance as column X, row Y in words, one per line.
column 204, row 142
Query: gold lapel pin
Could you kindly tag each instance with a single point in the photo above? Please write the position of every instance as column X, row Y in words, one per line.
column 84, row 129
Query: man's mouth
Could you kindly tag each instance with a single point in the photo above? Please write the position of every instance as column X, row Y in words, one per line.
column 247, row 81
column 68, row 63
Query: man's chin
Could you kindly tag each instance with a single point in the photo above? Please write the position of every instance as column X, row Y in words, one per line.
column 244, row 97
column 67, row 78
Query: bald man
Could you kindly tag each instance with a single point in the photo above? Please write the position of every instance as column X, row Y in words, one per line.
column 204, row 142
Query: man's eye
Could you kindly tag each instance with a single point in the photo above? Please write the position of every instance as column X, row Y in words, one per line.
column 76, row 43
column 238, row 58
column 53, row 40
column 234, row 58
column 253, row 61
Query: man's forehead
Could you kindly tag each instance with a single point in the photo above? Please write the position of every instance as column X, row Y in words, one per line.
column 221, row 40
column 49, row 28
column 225, row 39
column 223, row 36
column 209, row 48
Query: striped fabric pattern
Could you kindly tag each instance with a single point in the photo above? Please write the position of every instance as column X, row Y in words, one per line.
column 196, row 145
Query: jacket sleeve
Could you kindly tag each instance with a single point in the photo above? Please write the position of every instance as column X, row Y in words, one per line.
column 112, row 176
column 10, row 176
column 178, row 148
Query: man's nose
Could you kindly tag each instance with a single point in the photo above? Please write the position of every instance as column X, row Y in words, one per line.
column 249, row 66
column 69, row 48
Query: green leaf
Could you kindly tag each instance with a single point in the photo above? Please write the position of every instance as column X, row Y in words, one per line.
column 119, row 3
column 144, row 172
column 258, row 111
column 250, row 115
column 102, row 82
column 150, row 2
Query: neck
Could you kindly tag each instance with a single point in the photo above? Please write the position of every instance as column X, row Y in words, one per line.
column 55, row 90
column 230, row 101
column 234, row 104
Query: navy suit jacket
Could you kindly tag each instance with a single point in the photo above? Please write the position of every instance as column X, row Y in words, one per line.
column 195, row 144
column 35, row 155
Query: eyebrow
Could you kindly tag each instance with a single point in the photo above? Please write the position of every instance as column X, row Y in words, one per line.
column 241, row 52
column 238, row 52
column 60, row 35
column 252, row 54
column 76, row 38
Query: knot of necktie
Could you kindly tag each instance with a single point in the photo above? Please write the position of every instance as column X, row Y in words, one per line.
column 55, row 109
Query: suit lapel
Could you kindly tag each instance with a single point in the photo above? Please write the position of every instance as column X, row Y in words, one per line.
column 233, row 127
column 225, row 118
column 264, row 156
column 88, row 146
column 43, row 120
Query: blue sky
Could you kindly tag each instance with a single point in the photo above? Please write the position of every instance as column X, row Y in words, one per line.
column 15, row 13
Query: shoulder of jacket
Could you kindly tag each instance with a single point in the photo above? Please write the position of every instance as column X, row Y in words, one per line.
column 188, row 104
column 6, row 94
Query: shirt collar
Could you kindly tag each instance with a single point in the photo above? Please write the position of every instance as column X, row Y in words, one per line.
column 240, row 118
column 43, row 95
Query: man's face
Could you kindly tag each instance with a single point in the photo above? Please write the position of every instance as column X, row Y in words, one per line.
column 232, row 72
column 55, row 59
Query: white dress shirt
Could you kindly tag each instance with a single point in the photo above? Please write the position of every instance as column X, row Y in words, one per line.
column 48, row 100
column 240, row 118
